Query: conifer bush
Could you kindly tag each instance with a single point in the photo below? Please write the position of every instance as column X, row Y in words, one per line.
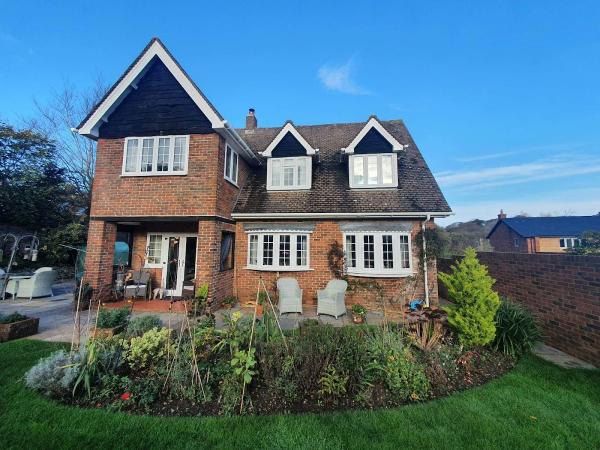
column 475, row 302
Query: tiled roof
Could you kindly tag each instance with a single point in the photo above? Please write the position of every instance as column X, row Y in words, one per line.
column 417, row 190
column 565, row 226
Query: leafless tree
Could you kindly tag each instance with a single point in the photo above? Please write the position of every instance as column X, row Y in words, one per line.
column 77, row 154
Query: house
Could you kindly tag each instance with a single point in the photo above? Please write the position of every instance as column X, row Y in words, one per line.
column 203, row 202
column 540, row 234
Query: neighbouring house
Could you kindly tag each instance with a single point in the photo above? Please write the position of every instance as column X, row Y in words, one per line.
column 203, row 202
column 540, row 234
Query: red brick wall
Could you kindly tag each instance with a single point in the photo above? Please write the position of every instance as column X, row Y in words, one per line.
column 203, row 191
column 325, row 233
column 502, row 239
column 562, row 291
column 99, row 254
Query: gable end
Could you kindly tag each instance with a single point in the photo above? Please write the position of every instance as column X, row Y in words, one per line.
column 373, row 142
column 288, row 146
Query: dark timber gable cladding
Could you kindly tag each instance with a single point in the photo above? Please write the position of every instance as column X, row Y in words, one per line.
column 159, row 106
column 373, row 142
column 288, row 146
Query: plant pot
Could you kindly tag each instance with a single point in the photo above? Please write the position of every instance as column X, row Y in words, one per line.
column 358, row 318
column 100, row 333
column 20, row 329
column 227, row 305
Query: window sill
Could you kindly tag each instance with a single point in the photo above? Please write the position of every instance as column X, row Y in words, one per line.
column 154, row 174
column 372, row 188
column 403, row 274
column 278, row 269
column 294, row 188
column 231, row 182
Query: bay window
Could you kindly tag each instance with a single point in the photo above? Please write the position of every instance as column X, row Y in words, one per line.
column 373, row 171
column 160, row 155
column 289, row 173
column 278, row 251
column 378, row 253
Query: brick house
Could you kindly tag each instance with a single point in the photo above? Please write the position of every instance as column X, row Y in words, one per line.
column 540, row 234
column 202, row 202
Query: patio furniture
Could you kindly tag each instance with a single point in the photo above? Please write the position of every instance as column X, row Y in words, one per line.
column 290, row 296
column 138, row 285
column 37, row 285
column 331, row 300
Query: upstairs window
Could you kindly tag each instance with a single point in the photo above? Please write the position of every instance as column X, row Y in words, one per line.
column 378, row 254
column 373, row 171
column 289, row 173
column 160, row 155
column 231, row 165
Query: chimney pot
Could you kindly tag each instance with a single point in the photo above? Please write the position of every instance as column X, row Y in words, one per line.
column 251, row 121
column 502, row 215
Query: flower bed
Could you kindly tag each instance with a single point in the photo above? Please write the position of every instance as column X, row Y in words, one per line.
column 15, row 326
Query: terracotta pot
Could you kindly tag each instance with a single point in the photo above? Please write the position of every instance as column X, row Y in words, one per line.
column 358, row 318
column 106, row 332
column 16, row 330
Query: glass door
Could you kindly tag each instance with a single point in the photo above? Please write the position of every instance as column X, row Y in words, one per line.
column 179, row 264
column 171, row 265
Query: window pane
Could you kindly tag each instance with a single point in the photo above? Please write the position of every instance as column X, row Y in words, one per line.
column 253, row 250
column 179, row 154
column 386, row 169
column 351, row 251
column 162, row 160
column 284, row 250
column 147, row 145
column 228, row 162
column 369, row 251
column 404, row 253
column 154, row 249
column 301, row 250
column 388, row 251
column 288, row 172
column 301, row 172
column 131, row 155
column 275, row 173
column 234, row 170
column 372, row 169
column 358, row 170
column 268, row 250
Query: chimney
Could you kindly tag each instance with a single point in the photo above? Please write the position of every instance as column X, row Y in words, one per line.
column 502, row 215
column 251, row 120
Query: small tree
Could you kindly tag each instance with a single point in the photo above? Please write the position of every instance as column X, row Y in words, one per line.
column 590, row 244
column 470, row 288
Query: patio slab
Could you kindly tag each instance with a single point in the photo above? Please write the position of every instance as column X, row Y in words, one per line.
column 560, row 358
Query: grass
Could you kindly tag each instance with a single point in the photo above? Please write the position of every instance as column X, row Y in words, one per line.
column 537, row 405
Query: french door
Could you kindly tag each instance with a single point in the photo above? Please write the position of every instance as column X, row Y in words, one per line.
column 178, row 262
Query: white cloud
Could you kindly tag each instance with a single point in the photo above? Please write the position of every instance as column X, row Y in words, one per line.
column 339, row 78
column 558, row 166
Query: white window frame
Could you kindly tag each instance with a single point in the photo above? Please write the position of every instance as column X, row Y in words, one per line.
column 231, row 177
column 379, row 270
column 295, row 186
column 293, row 267
column 565, row 241
column 154, row 171
column 157, row 265
column 380, row 184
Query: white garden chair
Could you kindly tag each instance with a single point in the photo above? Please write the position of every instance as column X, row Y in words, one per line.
column 290, row 296
column 331, row 300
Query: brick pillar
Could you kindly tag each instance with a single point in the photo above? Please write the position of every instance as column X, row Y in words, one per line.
column 100, row 254
column 207, row 261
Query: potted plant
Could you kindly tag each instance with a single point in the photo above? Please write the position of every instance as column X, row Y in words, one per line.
column 15, row 326
column 199, row 304
column 111, row 322
column 359, row 312
column 229, row 301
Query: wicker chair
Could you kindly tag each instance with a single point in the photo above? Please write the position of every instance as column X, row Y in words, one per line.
column 290, row 296
column 331, row 300
column 138, row 285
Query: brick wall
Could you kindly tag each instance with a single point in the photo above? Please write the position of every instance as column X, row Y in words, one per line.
column 99, row 254
column 326, row 232
column 562, row 291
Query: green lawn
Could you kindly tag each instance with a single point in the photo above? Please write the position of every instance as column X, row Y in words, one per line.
column 538, row 405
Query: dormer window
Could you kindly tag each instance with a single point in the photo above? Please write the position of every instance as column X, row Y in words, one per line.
column 373, row 171
column 289, row 173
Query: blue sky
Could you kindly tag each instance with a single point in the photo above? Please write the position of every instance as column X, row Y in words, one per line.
column 502, row 98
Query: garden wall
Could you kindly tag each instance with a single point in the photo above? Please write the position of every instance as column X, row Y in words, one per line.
column 562, row 291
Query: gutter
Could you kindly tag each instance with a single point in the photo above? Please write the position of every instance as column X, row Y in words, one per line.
column 424, row 215
column 236, row 137
column 425, row 275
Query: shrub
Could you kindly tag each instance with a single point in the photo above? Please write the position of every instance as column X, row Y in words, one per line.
column 12, row 318
column 333, row 383
column 516, row 330
column 111, row 318
column 230, row 301
column 405, row 378
column 139, row 325
column 145, row 352
column 359, row 310
column 55, row 375
column 470, row 288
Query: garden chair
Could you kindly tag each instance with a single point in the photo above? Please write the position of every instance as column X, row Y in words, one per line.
column 38, row 285
column 137, row 286
column 290, row 296
column 331, row 300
